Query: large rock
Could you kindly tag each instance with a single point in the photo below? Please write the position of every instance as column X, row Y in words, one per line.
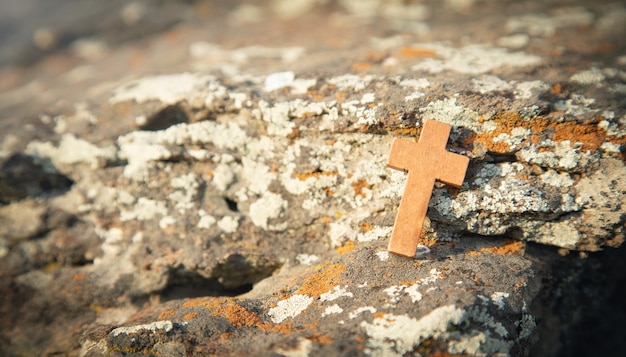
column 241, row 204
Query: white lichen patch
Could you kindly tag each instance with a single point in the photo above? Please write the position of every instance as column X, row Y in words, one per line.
column 144, row 210
column 546, row 25
column 526, row 324
column 289, row 308
column 333, row 309
column 497, row 298
column 561, row 234
column 206, row 220
column 278, row 116
column 71, row 150
column 396, row 181
column 448, row 111
column 498, row 189
column 472, row 59
column 165, row 325
column 278, row 80
column 526, row 90
column 577, row 106
column 184, row 199
column 395, row 292
column 167, row 221
column 516, row 41
column 565, row 156
column 365, row 114
column 354, row 314
column 269, row 206
column 375, row 233
column 396, row 335
column 556, row 179
column 350, row 81
column 336, row 293
column 486, row 84
column 168, row 89
column 223, row 176
column 340, row 232
column 111, row 245
column 307, row 259
column 383, row 256
column 414, row 84
column 257, row 175
column 514, row 139
column 228, row 224
column 591, row 76
column 142, row 148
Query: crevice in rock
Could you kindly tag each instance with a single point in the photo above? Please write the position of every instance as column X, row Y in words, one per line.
column 498, row 158
column 183, row 284
column 235, row 275
column 21, row 177
column 171, row 115
column 232, row 205
column 580, row 308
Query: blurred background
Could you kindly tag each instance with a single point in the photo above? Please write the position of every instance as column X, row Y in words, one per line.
column 55, row 53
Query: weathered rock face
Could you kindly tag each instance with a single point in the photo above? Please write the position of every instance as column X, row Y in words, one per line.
column 245, row 208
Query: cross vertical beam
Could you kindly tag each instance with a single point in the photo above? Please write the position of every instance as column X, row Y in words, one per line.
column 425, row 161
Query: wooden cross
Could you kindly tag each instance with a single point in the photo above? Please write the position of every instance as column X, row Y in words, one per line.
column 425, row 161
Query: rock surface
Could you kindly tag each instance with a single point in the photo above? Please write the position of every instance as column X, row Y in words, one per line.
column 221, row 188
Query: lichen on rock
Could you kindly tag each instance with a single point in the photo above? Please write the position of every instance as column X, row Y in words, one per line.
column 239, row 202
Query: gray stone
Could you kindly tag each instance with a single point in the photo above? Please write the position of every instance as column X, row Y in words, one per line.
column 240, row 203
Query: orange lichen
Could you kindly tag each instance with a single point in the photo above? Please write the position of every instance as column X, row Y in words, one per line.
column 589, row 134
column 379, row 315
column 555, row 89
column 295, row 134
column 603, row 47
column 238, row 315
column 361, row 66
column 376, row 56
column 413, row 131
column 325, row 219
column 365, row 227
column 358, row 187
column 510, row 247
column 346, row 248
column 323, row 281
column 79, row 276
column 285, row 328
column 225, row 335
column 190, row 315
column 311, row 326
column 329, row 192
column 473, row 253
column 411, row 52
column 166, row 314
column 321, row 339
column 306, row 175
column 429, row 242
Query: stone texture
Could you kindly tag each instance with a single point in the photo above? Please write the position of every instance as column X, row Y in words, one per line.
column 240, row 203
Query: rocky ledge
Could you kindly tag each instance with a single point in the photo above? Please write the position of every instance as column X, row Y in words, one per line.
column 240, row 204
